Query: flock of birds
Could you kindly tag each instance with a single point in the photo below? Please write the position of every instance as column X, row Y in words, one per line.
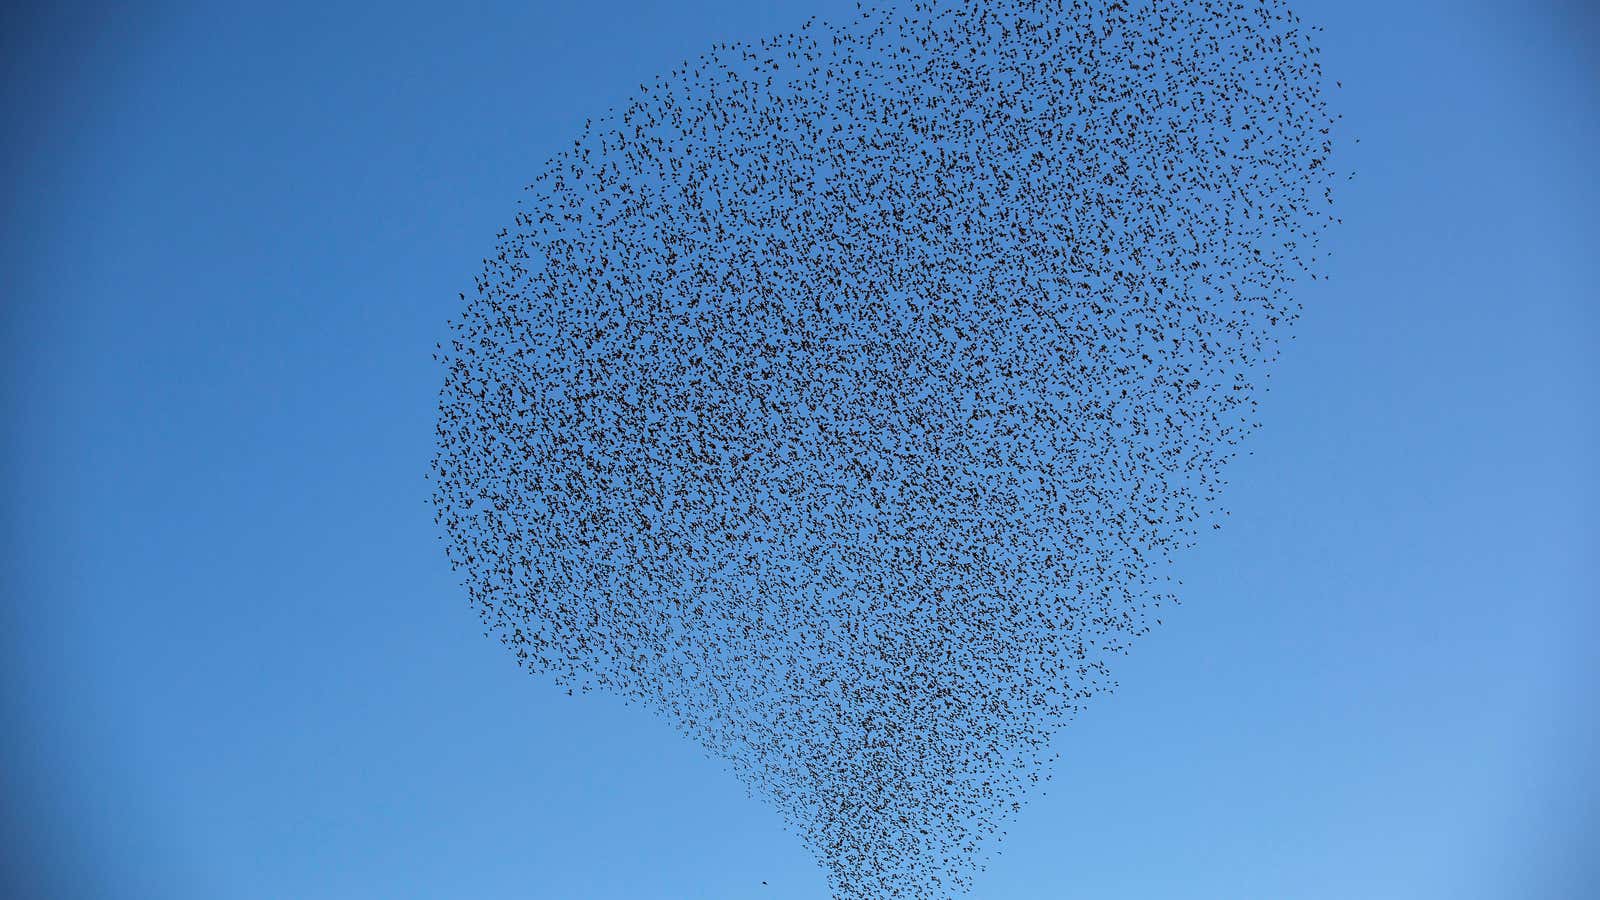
column 844, row 397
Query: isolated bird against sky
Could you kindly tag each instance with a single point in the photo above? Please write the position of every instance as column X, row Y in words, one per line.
column 842, row 396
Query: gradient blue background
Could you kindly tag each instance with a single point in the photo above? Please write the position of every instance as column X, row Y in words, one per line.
column 237, row 666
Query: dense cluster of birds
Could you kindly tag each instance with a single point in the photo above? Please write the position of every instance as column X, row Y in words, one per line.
column 845, row 396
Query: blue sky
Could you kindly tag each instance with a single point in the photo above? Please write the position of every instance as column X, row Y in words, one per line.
column 239, row 667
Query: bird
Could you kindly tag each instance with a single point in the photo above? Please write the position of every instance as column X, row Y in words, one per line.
column 847, row 396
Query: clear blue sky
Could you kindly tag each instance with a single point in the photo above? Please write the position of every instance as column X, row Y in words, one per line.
column 237, row 665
